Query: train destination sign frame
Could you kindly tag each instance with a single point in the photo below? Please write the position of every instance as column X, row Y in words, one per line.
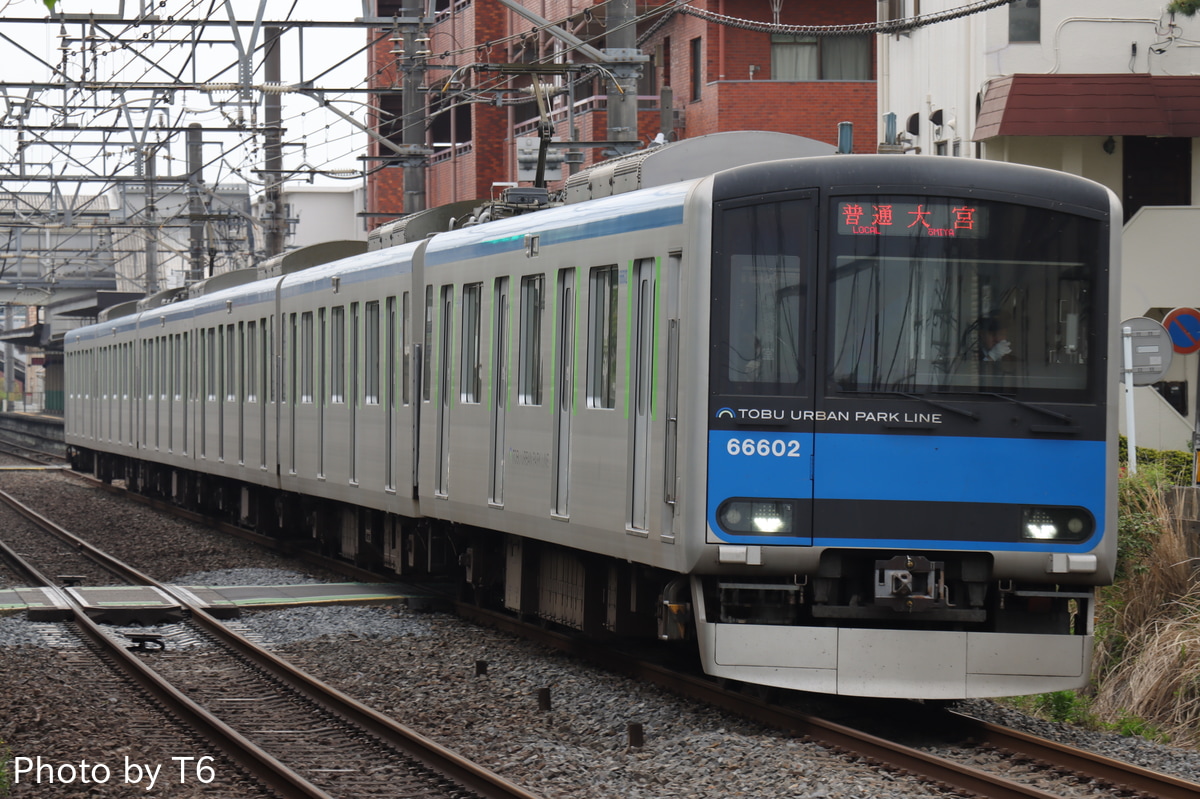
column 938, row 219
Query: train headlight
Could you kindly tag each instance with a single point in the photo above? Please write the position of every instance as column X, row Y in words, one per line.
column 757, row 516
column 1057, row 524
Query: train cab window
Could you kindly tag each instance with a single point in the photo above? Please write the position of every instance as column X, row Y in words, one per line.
column 529, row 388
column 471, row 365
column 602, row 337
column 371, row 353
column 760, row 291
column 337, row 354
column 945, row 298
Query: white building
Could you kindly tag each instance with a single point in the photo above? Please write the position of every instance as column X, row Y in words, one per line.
column 1106, row 89
column 317, row 214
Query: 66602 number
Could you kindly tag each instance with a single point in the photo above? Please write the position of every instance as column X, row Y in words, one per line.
column 764, row 447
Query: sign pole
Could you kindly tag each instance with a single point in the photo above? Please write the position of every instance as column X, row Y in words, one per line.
column 1130, row 438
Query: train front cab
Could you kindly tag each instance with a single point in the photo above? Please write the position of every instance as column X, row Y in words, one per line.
column 911, row 466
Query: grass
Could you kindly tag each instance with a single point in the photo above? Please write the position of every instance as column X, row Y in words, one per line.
column 1147, row 665
column 5, row 760
column 1146, row 670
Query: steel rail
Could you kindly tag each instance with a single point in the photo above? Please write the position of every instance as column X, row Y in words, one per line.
column 264, row 766
column 881, row 751
column 256, row 761
column 936, row 769
column 1116, row 772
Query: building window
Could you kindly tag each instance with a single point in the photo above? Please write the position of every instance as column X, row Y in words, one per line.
column 1025, row 21
column 602, row 338
column 697, row 69
column 895, row 9
column 665, row 61
column 820, row 58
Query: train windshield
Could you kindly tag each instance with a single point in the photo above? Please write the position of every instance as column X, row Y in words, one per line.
column 932, row 294
column 761, row 291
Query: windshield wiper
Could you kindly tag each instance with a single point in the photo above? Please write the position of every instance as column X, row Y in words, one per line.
column 941, row 405
column 1053, row 414
column 974, row 417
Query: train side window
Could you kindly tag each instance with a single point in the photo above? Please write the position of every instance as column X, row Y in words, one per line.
column 242, row 356
column 426, row 369
column 337, row 354
column 405, row 354
column 306, row 357
column 176, row 367
column 268, row 354
column 533, row 303
column 163, row 358
column 220, row 362
column 252, row 361
column 231, row 364
column 471, row 374
column 148, row 368
column 211, row 384
column 371, row 353
column 354, row 356
column 287, row 387
column 602, row 338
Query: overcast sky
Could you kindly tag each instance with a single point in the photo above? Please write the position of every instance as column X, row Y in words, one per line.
column 155, row 52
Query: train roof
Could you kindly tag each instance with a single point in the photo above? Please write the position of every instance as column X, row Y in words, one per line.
column 641, row 210
column 901, row 173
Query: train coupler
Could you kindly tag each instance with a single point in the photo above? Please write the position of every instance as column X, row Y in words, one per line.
column 911, row 583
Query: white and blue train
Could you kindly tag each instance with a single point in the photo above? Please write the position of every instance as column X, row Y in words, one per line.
column 844, row 421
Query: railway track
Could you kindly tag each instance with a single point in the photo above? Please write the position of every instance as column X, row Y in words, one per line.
column 1013, row 754
column 1042, row 762
column 292, row 734
column 15, row 453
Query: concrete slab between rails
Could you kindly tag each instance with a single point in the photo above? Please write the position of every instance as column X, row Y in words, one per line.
column 38, row 604
column 127, row 605
column 238, row 597
column 35, row 467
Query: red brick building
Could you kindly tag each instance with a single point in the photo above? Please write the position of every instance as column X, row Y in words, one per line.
column 720, row 77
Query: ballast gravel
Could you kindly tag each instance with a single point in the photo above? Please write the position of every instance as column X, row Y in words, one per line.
column 421, row 667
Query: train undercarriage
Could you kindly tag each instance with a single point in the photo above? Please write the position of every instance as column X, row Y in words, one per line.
column 852, row 590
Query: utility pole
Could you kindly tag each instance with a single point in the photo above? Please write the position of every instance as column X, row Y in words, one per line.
column 620, row 40
column 10, row 368
column 195, row 152
column 413, row 118
column 151, row 212
column 621, row 58
column 273, row 216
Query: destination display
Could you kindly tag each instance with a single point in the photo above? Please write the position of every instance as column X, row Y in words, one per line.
column 940, row 219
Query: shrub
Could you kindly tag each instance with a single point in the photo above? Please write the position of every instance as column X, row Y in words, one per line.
column 1147, row 663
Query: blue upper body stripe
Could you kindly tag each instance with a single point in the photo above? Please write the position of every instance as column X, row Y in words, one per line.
column 626, row 213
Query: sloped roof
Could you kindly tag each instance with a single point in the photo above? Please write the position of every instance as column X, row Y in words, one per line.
column 1090, row 105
